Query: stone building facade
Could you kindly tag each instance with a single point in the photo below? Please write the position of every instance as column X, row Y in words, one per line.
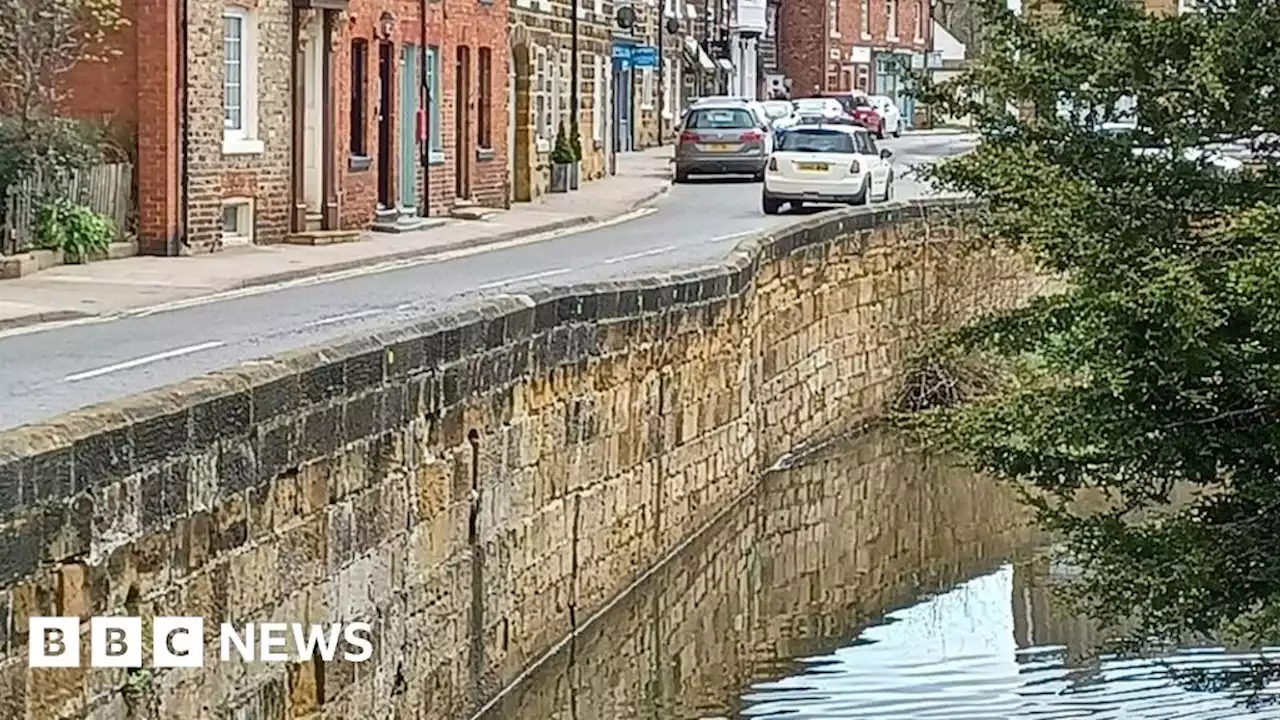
column 540, row 88
column 658, row 91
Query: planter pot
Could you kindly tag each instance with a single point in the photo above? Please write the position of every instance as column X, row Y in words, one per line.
column 560, row 177
column 575, row 171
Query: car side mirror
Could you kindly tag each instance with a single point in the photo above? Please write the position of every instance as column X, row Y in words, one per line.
column 886, row 153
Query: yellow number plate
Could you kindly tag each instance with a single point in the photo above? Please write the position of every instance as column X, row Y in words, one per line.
column 720, row 147
column 813, row 167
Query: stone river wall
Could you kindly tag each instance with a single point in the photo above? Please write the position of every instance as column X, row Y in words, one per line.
column 475, row 485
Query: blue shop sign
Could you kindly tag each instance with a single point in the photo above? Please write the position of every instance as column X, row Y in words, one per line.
column 621, row 52
column 644, row 56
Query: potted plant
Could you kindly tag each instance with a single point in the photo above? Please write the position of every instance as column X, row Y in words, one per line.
column 561, row 162
column 575, row 144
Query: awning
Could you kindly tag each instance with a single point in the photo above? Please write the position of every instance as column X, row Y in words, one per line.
column 726, row 64
column 697, row 56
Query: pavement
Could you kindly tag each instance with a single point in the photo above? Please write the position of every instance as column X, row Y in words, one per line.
column 80, row 335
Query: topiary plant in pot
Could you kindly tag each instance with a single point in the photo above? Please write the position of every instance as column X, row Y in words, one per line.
column 561, row 161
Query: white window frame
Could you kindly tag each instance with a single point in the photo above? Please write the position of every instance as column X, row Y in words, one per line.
column 566, row 89
column 648, row 95
column 891, row 10
column 597, row 100
column 919, row 20
column 542, row 101
column 834, row 10
column 598, row 9
column 435, row 115
column 245, row 210
column 244, row 139
column 864, row 19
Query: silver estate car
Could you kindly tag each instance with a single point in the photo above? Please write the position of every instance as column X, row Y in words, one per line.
column 723, row 138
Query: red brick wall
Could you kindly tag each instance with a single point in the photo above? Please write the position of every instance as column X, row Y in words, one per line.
column 158, row 75
column 108, row 91
column 802, row 44
column 460, row 22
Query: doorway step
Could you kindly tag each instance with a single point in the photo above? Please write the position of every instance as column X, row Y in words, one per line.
column 402, row 220
column 323, row 237
column 469, row 210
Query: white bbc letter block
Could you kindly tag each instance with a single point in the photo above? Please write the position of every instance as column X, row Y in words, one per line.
column 115, row 642
column 178, row 642
column 53, row 642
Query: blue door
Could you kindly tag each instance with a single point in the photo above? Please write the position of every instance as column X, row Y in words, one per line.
column 409, row 82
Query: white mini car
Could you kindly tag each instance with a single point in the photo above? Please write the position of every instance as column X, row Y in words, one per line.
column 826, row 164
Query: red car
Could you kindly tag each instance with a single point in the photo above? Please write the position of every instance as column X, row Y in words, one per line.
column 859, row 107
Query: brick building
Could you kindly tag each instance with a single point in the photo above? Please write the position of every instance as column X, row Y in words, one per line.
column 385, row 57
column 853, row 44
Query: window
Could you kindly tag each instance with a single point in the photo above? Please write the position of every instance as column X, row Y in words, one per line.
column 484, row 123
column 598, row 9
column 647, row 95
column 891, row 8
column 566, row 89
column 433, row 102
column 359, row 97
column 919, row 20
column 771, row 21
column 864, row 18
column 557, row 99
column 667, row 85
column 541, row 98
column 597, row 100
column 833, row 12
column 817, row 141
column 237, row 221
column 721, row 119
column 239, row 84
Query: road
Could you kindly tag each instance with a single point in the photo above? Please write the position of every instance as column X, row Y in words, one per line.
column 48, row 372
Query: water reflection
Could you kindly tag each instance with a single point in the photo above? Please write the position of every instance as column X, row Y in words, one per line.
column 779, row 611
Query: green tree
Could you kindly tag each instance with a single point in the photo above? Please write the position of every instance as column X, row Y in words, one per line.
column 1158, row 366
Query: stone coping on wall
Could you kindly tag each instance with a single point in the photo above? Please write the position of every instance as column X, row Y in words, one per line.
column 348, row 390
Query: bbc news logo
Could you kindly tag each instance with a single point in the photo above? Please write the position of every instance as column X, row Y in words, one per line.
column 178, row 642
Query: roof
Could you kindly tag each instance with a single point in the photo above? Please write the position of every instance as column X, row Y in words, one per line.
column 851, row 129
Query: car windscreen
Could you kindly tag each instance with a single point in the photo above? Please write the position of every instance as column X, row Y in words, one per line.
column 720, row 119
column 817, row 141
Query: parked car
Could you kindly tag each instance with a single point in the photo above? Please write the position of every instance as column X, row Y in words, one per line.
column 775, row 110
column 826, row 164
column 889, row 113
column 726, row 138
column 858, row 106
column 756, row 106
column 1212, row 156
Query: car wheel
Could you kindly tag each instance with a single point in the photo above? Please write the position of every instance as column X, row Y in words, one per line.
column 758, row 177
column 867, row 197
column 888, row 189
column 897, row 129
column 880, row 132
column 770, row 205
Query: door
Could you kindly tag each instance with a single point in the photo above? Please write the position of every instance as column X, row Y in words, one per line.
column 409, row 79
column 622, row 105
column 311, row 82
column 386, row 73
column 462, row 130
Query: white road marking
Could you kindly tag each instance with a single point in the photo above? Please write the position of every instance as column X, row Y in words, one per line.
column 637, row 255
column 362, row 271
column 343, row 318
column 522, row 278
column 733, row 236
column 126, row 365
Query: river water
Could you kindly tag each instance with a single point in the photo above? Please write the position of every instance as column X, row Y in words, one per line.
column 868, row 582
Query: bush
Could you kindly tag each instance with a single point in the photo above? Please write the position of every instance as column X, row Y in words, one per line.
column 563, row 152
column 77, row 231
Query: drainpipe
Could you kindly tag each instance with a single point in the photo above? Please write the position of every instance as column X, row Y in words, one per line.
column 184, row 140
column 574, row 70
column 662, row 17
column 424, row 107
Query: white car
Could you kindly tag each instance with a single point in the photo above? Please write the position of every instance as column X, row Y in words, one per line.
column 826, row 164
column 1209, row 155
column 889, row 111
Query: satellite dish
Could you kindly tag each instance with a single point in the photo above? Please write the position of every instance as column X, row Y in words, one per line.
column 673, row 26
column 626, row 18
